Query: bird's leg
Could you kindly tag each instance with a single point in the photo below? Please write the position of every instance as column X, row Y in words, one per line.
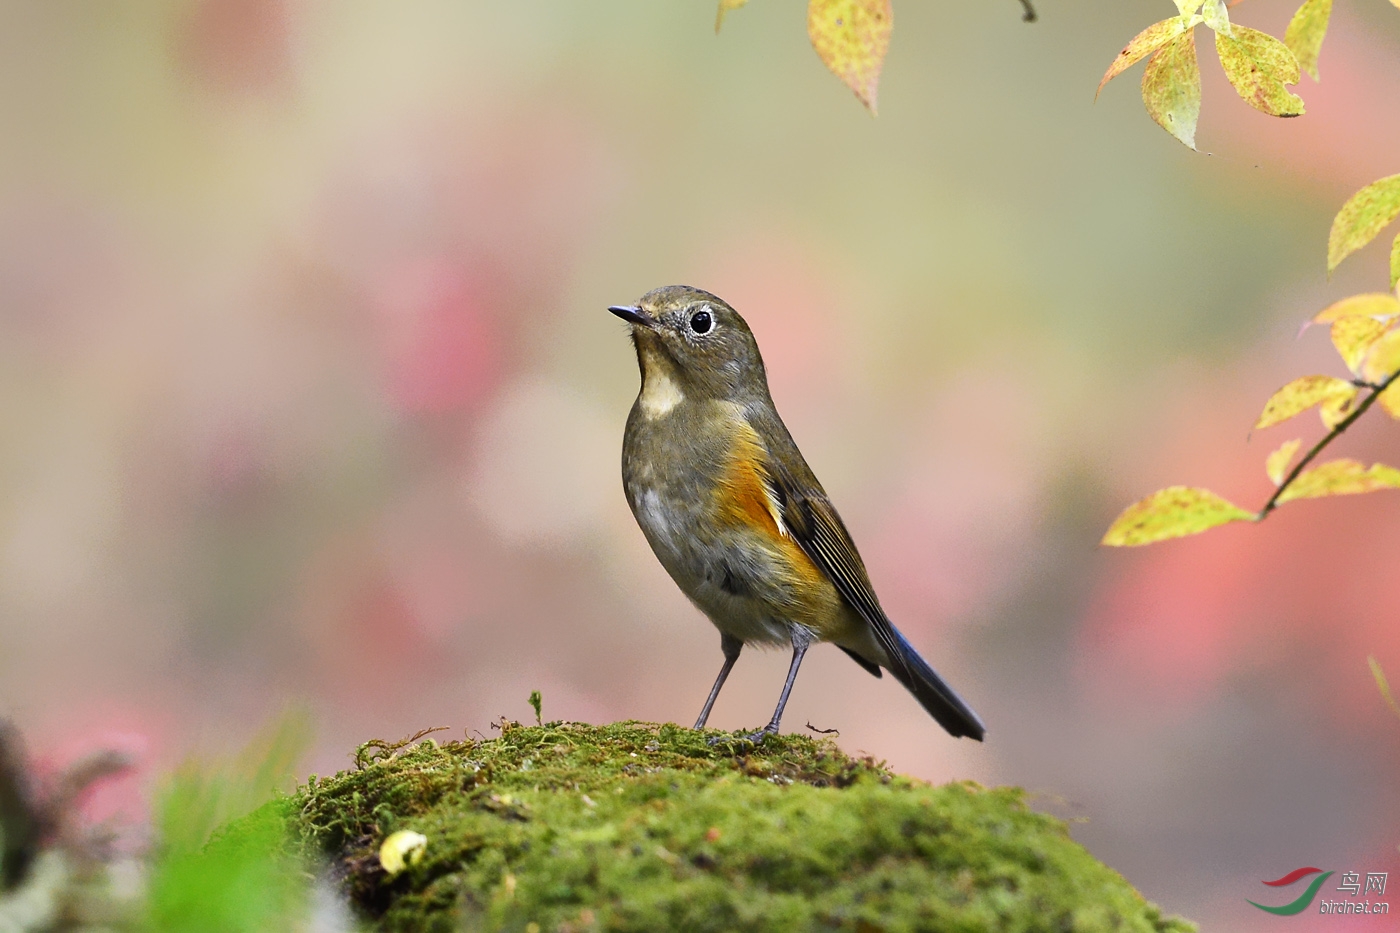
column 731, row 647
column 801, row 641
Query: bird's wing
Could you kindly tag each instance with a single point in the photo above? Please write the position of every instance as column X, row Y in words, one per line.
column 809, row 518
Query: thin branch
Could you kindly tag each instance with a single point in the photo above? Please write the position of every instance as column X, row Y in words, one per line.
column 1029, row 16
column 1331, row 436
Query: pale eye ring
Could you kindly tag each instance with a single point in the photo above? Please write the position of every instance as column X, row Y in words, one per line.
column 701, row 322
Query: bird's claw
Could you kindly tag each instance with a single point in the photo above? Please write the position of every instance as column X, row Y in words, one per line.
column 752, row 738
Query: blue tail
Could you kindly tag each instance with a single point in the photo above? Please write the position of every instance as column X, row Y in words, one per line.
column 942, row 703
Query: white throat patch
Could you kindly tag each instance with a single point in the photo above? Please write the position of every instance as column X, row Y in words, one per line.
column 660, row 394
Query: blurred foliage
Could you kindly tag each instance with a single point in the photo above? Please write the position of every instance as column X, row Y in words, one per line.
column 1364, row 215
column 1258, row 65
column 1362, row 326
column 850, row 36
column 1306, row 31
column 243, row 879
column 1364, row 331
column 199, row 798
column 52, row 867
column 1383, row 685
column 637, row 826
column 220, row 860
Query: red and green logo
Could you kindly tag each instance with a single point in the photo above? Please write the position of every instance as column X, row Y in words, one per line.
column 1305, row 899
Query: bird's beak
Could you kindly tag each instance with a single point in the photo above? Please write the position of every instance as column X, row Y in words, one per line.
column 633, row 314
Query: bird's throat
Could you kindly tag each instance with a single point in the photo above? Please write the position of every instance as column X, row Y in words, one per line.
column 661, row 387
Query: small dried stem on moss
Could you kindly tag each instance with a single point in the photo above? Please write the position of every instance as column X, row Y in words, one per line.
column 376, row 750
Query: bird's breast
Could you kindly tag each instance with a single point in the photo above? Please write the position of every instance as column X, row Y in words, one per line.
column 697, row 487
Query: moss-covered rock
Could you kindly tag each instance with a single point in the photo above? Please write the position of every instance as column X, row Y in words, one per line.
column 634, row 826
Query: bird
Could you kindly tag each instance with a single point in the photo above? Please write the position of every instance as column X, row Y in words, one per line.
column 737, row 517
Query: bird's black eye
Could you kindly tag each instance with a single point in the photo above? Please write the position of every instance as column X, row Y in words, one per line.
column 701, row 322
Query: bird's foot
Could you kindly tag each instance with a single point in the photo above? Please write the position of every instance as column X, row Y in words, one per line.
column 761, row 734
column 752, row 738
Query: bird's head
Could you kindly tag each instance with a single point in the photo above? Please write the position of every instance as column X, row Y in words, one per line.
column 696, row 340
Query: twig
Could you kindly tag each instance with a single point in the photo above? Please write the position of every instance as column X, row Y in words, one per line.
column 1332, row 435
column 377, row 750
column 1029, row 16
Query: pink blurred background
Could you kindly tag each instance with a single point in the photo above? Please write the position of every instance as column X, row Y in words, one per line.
column 309, row 394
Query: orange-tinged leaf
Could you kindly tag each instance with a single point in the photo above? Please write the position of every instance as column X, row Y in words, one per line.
column 1371, row 304
column 725, row 6
column 1376, row 672
column 1173, row 512
column 1300, row 395
column 1383, row 359
column 1390, row 400
column 1144, row 44
column 1305, row 33
column 1259, row 66
column 1353, row 336
column 1341, row 478
column 1276, row 465
column 1171, row 88
column 852, row 36
column 1365, row 214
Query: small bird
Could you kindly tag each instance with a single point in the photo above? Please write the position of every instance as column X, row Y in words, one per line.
column 736, row 516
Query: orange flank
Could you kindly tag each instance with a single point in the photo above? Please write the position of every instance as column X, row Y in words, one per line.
column 745, row 501
column 743, row 494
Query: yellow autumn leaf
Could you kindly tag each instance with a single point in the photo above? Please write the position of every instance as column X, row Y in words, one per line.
column 1341, row 478
column 402, row 849
column 1276, row 465
column 1259, row 66
column 1383, row 359
column 1381, row 683
column 1214, row 15
column 724, row 7
column 1171, row 88
column 851, row 37
column 1395, row 259
column 1365, row 214
column 1371, row 304
column 1173, row 512
column 1306, row 31
column 1390, row 400
column 1144, row 44
column 1301, row 394
column 1335, row 409
column 1353, row 336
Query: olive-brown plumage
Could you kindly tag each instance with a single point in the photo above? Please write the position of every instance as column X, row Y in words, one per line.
column 734, row 513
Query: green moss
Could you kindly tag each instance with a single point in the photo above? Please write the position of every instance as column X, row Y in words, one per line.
column 634, row 826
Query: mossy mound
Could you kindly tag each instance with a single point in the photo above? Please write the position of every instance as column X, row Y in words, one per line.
column 635, row 826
